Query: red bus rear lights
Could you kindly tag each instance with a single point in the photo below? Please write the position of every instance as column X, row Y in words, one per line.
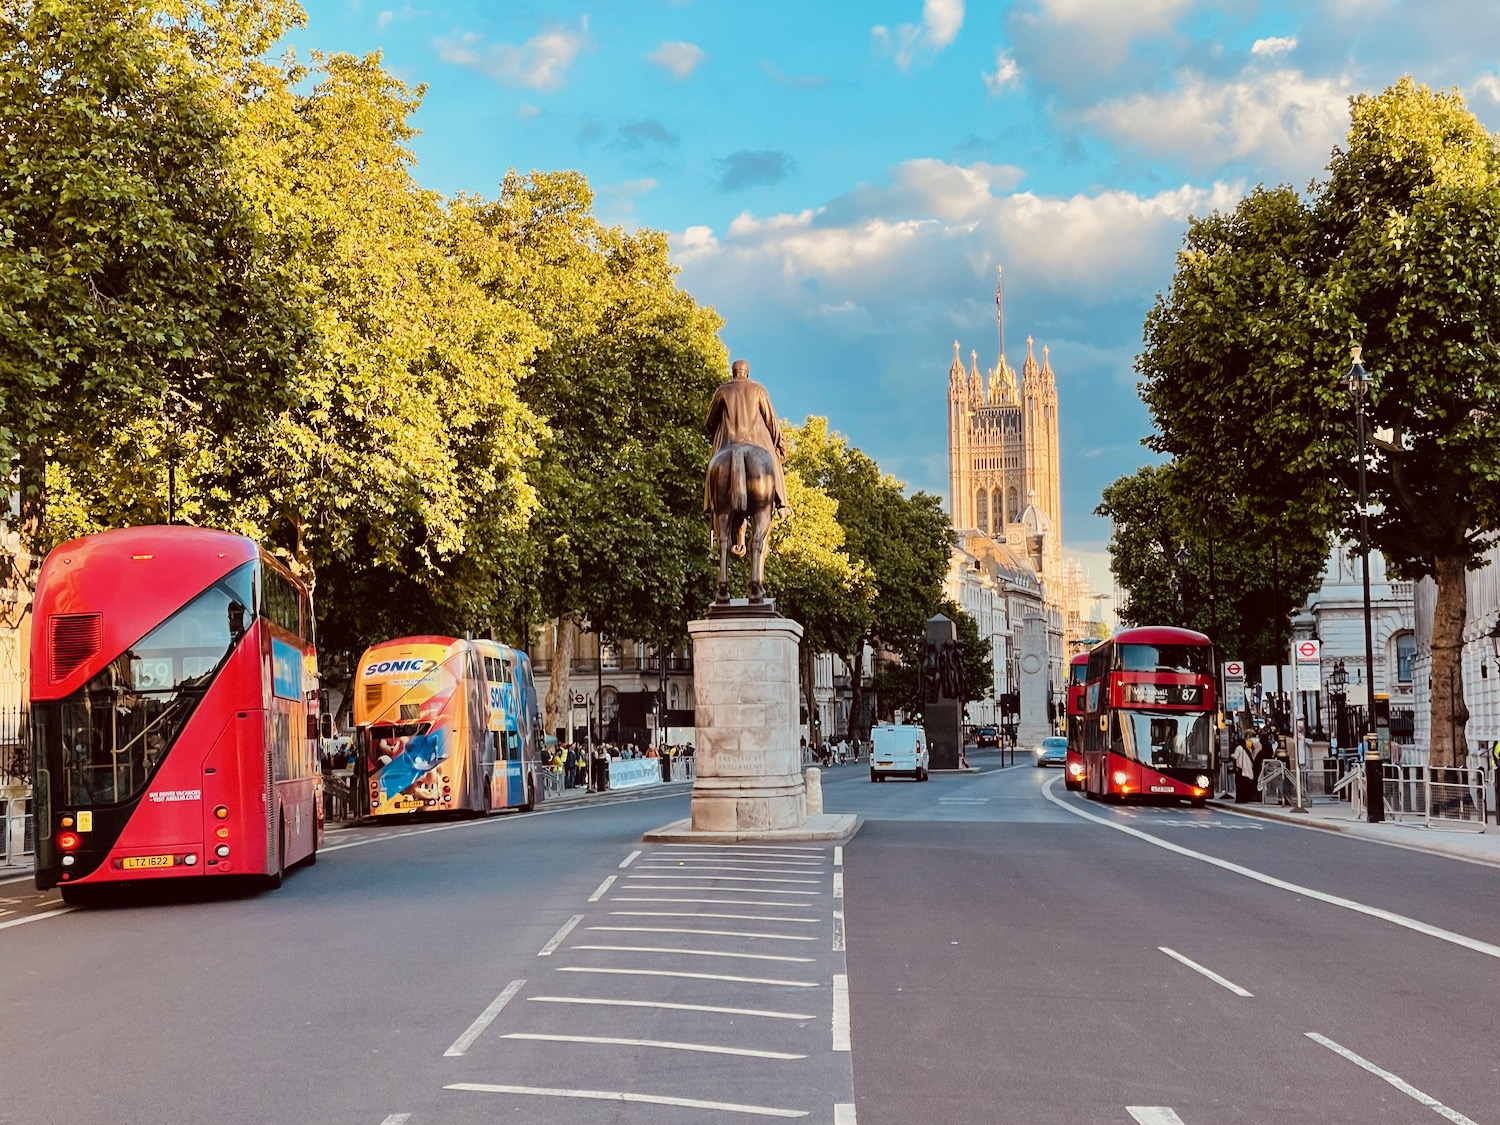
column 222, row 851
column 222, row 833
column 67, row 841
column 222, row 813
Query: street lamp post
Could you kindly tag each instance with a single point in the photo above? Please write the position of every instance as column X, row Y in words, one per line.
column 1358, row 383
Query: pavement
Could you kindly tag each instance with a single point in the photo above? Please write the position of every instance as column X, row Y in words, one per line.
column 1458, row 841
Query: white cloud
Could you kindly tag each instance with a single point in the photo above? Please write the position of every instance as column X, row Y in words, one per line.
column 1077, row 45
column 677, row 58
column 941, row 21
column 540, row 63
column 1488, row 85
column 1272, row 47
column 1284, row 121
column 1006, row 73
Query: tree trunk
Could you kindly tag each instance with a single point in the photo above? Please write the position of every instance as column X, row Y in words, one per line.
column 809, row 694
column 559, row 701
column 1448, row 714
column 857, row 692
column 26, row 559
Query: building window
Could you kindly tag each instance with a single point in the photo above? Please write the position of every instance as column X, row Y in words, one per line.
column 1012, row 507
column 1406, row 651
column 983, row 508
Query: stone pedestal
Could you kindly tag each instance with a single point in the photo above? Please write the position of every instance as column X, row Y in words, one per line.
column 1035, row 725
column 748, row 764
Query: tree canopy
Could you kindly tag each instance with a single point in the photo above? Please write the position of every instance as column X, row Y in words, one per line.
column 1397, row 251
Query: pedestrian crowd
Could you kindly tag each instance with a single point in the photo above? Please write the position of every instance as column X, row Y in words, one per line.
column 837, row 751
column 583, row 768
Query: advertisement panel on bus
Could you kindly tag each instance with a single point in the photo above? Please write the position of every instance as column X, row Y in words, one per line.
column 173, row 696
column 516, row 723
column 1149, row 716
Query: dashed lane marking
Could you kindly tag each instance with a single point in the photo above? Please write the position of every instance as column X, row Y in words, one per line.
column 612, row 1003
column 843, row 1114
column 727, row 890
column 838, row 856
column 557, row 938
column 730, row 901
column 628, row 860
column 487, row 1017
column 1405, row 1087
column 840, row 1012
column 685, row 868
column 838, row 884
column 664, row 1044
column 696, row 953
column 751, row 847
column 625, row 1096
column 687, row 976
column 1153, row 1114
column 604, row 886
column 838, row 931
column 1271, row 881
column 708, row 933
column 1209, row 973
column 397, row 1119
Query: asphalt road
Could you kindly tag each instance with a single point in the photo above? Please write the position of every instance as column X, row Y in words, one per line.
column 1004, row 963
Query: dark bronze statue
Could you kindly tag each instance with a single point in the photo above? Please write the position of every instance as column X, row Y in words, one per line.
column 745, row 487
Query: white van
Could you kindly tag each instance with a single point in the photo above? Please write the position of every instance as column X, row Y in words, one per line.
column 897, row 750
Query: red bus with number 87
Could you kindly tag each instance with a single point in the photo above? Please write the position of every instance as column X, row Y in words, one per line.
column 175, row 715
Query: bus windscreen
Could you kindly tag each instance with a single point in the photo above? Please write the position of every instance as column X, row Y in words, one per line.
column 1165, row 741
column 1188, row 659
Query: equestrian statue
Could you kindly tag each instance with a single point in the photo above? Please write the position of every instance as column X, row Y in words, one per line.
column 745, row 487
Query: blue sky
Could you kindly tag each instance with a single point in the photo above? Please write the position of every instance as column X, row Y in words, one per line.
column 841, row 179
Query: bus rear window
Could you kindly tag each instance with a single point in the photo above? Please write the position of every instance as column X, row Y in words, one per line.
column 1193, row 659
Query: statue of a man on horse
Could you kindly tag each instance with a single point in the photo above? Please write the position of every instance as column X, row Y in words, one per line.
column 745, row 486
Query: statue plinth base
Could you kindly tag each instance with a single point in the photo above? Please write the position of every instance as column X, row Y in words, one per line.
column 747, row 761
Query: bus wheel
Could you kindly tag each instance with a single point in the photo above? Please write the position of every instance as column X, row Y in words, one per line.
column 274, row 879
column 530, row 802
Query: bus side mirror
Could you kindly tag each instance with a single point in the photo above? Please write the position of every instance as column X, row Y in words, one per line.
column 325, row 728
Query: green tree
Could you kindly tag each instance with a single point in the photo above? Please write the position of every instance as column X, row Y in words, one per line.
column 1398, row 250
column 135, row 275
column 1183, row 563
column 623, row 383
column 905, row 541
column 898, row 682
column 814, row 582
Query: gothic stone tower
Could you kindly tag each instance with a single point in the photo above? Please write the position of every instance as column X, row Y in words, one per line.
column 1002, row 441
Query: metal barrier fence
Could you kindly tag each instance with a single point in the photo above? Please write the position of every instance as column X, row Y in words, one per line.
column 17, row 829
column 1447, row 796
column 15, row 747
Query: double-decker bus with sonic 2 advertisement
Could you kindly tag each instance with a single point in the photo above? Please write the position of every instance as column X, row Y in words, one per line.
column 174, row 703
column 515, row 720
column 433, row 727
column 1150, row 713
column 1078, row 678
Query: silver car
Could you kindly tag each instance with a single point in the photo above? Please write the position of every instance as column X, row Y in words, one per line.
column 1052, row 752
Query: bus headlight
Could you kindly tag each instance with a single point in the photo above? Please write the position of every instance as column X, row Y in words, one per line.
column 1202, row 781
column 1075, row 768
column 1121, row 777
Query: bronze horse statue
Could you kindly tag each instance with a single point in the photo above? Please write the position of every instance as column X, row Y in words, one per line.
column 742, row 493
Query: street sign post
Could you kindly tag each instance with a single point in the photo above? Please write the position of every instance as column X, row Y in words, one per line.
column 1234, row 686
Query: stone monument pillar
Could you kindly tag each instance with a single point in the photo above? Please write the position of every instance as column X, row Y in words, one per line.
column 748, row 762
column 1034, row 684
column 942, row 710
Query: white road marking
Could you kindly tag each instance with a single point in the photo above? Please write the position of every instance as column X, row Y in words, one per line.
column 395, row 1118
column 557, row 938
column 838, row 856
column 840, row 1012
column 688, row 976
column 751, row 847
column 625, row 1096
column 696, row 953
column 710, row 933
column 604, row 886
column 727, row 890
column 963, row 800
column 486, row 1017
column 37, row 917
column 3, row 913
column 691, row 914
column 838, row 931
column 1271, row 881
column 610, row 1003
column 719, row 857
column 665, row 1044
column 17, row 879
column 694, row 868
column 843, row 1114
column 1209, row 973
column 731, row 901
column 628, row 860
column 725, row 878
column 1405, row 1087
column 838, row 884
column 1154, row 1114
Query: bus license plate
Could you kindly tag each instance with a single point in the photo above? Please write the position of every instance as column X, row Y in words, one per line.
column 1164, row 789
column 147, row 861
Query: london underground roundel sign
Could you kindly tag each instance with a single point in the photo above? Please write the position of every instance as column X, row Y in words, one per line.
column 1234, row 669
column 1307, row 650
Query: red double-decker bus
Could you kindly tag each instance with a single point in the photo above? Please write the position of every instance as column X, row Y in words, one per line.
column 175, row 711
column 1149, row 716
column 1078, row 678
